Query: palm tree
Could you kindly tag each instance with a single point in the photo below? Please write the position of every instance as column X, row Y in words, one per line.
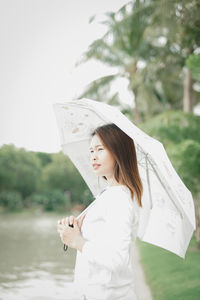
column 180, row 23
column 135, row 34
column 123, row 47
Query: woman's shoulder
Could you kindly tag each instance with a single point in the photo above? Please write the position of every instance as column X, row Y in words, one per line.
column 117, row 189
column 118, row 194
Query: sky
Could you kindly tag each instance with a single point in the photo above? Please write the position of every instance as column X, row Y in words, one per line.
column 40, row 43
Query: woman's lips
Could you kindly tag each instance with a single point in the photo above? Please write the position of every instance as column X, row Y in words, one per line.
column 95, row 166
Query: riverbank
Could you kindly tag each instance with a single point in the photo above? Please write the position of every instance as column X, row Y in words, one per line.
column 169, row 276
column 40, row 211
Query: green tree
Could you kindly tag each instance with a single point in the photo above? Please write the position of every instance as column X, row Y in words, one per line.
column 29, row 179
column 61, row 174
column 159, row 35
column 19, row 170
column 178, row 22
column 193, row 63
column 123, row 46
column 11, row 200
column 45, row 158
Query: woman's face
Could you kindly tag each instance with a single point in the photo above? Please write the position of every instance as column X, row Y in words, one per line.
column 101, row 159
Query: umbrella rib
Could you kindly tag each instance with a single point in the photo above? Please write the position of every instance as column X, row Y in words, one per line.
column 159, row 178
column 148, row 180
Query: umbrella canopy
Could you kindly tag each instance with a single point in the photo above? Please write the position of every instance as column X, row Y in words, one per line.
column 167, row 218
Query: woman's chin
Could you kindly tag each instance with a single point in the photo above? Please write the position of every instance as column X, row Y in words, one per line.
column 98, row 173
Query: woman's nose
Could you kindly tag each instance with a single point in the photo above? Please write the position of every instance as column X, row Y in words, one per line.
column 94, row 156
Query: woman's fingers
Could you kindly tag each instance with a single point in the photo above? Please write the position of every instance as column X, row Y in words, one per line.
column 71, row 220
column 61, row 222
column 66, row 221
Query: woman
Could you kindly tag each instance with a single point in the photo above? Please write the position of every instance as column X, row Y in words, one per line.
column 105, row 234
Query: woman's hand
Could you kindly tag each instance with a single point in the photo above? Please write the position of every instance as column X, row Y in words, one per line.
column 70, row 221
column 71, row 236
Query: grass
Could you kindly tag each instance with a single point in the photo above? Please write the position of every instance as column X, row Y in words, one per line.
column 168, row 275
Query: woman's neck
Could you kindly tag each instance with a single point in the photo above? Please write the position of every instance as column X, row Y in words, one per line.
column 113, row 182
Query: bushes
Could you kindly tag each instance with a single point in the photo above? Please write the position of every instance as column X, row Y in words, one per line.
column 173, row 127
column 50, row 200
column 20, row 170
column 56, row 199
column 179, row 132
column 48, row 181
column 38, row 199
column 185, row 156
column 11, row 200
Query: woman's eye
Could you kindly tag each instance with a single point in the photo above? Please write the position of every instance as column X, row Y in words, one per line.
column 97, row 150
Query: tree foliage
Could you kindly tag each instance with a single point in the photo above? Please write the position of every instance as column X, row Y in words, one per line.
column 29, row 179
column 179, row 133
column 19, row 170
column 148, row 42
column 193, row 63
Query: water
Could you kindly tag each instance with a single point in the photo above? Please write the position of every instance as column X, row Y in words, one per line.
column 33, row 264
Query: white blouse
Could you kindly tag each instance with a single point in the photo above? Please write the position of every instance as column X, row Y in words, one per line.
column 104, row 269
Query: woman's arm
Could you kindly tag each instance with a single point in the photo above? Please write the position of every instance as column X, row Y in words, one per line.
column 111, row 251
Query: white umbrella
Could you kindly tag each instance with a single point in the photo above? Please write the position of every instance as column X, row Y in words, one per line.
column 167, row 218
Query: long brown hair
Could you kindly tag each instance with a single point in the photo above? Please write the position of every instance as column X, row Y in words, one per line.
column 123, row 150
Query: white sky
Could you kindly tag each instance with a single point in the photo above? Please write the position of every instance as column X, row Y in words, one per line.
column 40, row 42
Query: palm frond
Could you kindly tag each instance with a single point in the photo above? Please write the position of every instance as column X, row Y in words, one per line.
column 100, row 86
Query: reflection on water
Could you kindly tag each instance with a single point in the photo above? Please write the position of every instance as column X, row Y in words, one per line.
column 33, row 264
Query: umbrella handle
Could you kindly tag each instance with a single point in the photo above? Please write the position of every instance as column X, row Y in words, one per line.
column 65, row 247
